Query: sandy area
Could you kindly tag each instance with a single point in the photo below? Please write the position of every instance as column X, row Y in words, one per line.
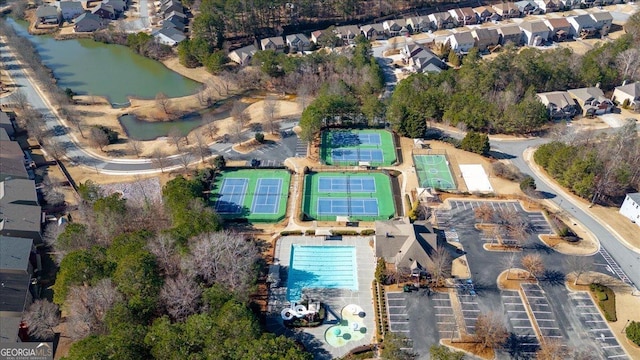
column 586, row 246
column 511, row 279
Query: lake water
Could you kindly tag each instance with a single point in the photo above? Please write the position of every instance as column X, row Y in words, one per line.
column 89, row 67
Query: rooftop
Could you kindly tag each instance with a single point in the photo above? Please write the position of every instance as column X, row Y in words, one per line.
column 15, row 253
column 14, row 288
column 19, row 209
column 534, row 26
column 11, row 160
column 635, row 197
column 632, row 89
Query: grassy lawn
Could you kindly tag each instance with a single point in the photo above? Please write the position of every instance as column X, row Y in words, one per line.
column 606, row 300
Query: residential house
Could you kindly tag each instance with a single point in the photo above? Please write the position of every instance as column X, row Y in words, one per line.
column 569, row 4
column 298, row 43
column 316, row 35
column 486, row 13
column 419, row 24
column 631, row 207
column 510, row 34
column 373, row 31
column 13, row 164
column 464, row 16
column 592, row 101
column 534, row 33
column 507, row 10
column 559, row 28
column 88, row 22
column 69, row 10
column 119, row 6
column 176, row 16
column 169, row 36
column 628, row 92
column 347, row 33
column 603, row 22
column 397, row 27
column 407, row 246
column 425, row 61
column 582, row 26
column 104, row 11
column 6, row 123
column 273, row 43
column 527, row 7
column 548, row 6
column 171, row 5
column 175, row 22
column 485, row 38
column 410, row 50
column 461, row 42
column 442, row 20
column 20, row 213
column 559, row 104
column 17, row 258
column 48, row 15
column 243, row 55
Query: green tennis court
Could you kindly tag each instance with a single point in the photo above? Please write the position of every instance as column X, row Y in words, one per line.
column 253, row 194
column 358, row 195
column 350, row 147
column 433, row 172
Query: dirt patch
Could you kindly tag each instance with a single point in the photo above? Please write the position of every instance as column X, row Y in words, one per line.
column 511, row 279
column 469, row 347
column 460, row 268
column 559, row 244
column 247, row 146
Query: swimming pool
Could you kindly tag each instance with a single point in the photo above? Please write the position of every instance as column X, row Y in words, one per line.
column 321, row 267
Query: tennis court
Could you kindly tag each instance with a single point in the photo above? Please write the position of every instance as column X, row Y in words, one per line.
column 433, row 172
column 360, row 196
column 349, row 147
column 253, row 194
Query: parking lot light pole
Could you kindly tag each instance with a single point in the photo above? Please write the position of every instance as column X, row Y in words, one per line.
column 625, row 326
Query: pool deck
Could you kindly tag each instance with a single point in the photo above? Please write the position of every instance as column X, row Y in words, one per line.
column 334, row 299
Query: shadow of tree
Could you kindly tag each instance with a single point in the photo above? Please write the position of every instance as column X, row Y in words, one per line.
column 516, row 346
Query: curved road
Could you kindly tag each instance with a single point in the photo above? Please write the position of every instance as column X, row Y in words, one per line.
column 514, row 150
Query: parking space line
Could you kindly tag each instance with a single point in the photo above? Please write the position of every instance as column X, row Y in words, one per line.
column 594, row 330
column 610, row 346
column 616, row 356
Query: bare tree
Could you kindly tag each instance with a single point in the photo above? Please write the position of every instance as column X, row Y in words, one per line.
column 552, row 349
column 227, row 78
column 88, row 306
column 513, row 224
column 628, row 63
column 533, row 264
column 271, row 112
column 175, row 137
column 75, row 121
column 440, row 266
column 163, row 102
column 484, row 213
column 511, row 262
column 163, row 246
column 204, row 96
column 201, row 146
column 210, row 128
column 302, row 95
column 490, row 331
column 238, row 114
column 54, row 148
column 579, row 265
column 186, row 157
column 98, row 138
column 19, row 98
column 41, row 318
column 181, row 297
column 159, row 158
column 235, row 129
column 135, row 146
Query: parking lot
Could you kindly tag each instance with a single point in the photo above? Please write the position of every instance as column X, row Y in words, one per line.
column 542, row 311
column 519, row 323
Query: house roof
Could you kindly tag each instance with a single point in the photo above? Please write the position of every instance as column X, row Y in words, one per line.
column 485, row 34
column 584, row 94
column 243, row 53
column 635, row 197
column 509, row 30
column 176, row 14
column 534, row 26
column 88, row 17
column 3, row 137
column 174, row 22
column 71, row 5
column 404, row 243
column 482, row 9
column 9, row 328
column 11, row 160
column 583, row 20
column 632, row 89
column 347, row 29
column 5, row 119
column 558, row 23
column 19, row 209
column 463, row 37
column 103, row 6
column 14, row 292
column 276, row 40
column 14, row 253
column 505, row 7
column 118, row 5
column 441, row 16
column 467, row 11
column 300, row 37
column 172, row 33
column 46, row 11
column 557, row 98
column 602, row 16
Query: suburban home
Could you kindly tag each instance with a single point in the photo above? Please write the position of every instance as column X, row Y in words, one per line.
column 410, row 247
column 507, row 10
column 243, row 55
column 592, row 101
column 569, row 4
column 13, row 164
column 628, row 92
column 104, row 11
column 397, row 27
column 582, row 26
column 169, row 36
column 298, row 43
column 347, row 33
column 316, row 35
column 527, row 7
column 603, row 22
column 176, row 16
column 631, row 207
column 486, row 13
column 510, row 34
column 88, row 22
column 485, row 38
column 6, row 123
column 559, row 28
column 548, row 5
column 171, row 5
column 426, row 61
column 560, row 104
column 69, row 10
column 48, row 15
column 410, row 50
column 534, row 33
column 464, row 16
column 17, row 260
column 373, row 31
column 119, row 6
column 174, row 22
column 419, row 24
column 442, row 20
column 273, row 43
column 461, row 42
column 20, row 213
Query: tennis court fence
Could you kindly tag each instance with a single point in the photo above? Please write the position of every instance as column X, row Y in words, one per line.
column 429, row 152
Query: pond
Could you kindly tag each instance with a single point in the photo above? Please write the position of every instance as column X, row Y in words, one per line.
column 92, row 68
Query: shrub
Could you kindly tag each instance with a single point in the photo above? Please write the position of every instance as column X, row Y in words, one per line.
column 508, row 172
column 310, row 232
column 366, row 232
column 219, row 162
column 527, row 184
column 259, row 137
column 606, row 301
column 344, row 232
column 290, row 232
column 112, row 136
column 633, row 332
column 476, row 143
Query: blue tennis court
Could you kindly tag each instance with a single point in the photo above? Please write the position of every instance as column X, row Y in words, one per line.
column 347, row 206
column 232, row 195
column 267, row 197
column 346, row 154
column 345, row 138
column 346, row 184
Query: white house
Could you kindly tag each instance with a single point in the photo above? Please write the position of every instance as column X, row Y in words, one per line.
column 628, row 92
column 535, row 33
column 631, row 207
column 298, row 43
column 243, row 55
column 169, row 36
column 603, row 22
column 461, row 42
column 582, row 25
column 70, row 9
column 275, row 43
